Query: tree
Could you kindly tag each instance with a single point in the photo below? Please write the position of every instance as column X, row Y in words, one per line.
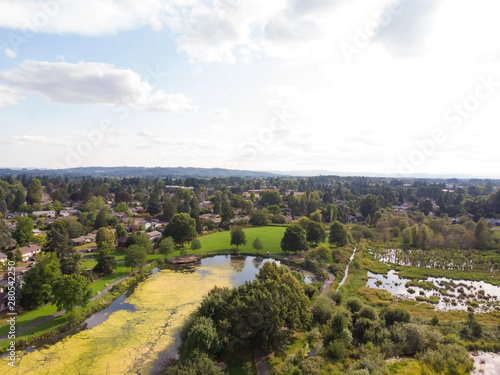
column 136, row 257
column 6, row 240
column 369, row 205
column 39, row 281
column 23, row 233
column 104, row 235
column 238, row 236
column 75, row 229
column 339, row 236
column 58, row 242
column 426, row 206
column 203, row 336
column 259, row 217
column 270, row 197
column 167, row 246
column 315, row 231
column 154, row 205
column 482, row 234
column 331, row 210
column 71, row 291
column 34, row 191
column 257, row 244
column 106, row 261
column 87, row 192
column 227, row 212
column 182, row 228
column 18, row 200
column 195, row 244
column 101, row 220
column 294, row 239
column 120, row 231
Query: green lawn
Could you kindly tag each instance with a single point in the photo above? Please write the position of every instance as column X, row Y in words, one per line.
column 221, row 241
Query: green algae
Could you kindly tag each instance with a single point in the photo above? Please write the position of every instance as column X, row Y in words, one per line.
column 129, row 341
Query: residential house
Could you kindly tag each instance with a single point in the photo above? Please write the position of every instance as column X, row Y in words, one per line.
column 44, row 213
column 3, row 258
column 122, row 243
column 30, row 251
column 154, row 235
column 69, row 212
column 83, row 239
column 4, row 300
column 13, row 215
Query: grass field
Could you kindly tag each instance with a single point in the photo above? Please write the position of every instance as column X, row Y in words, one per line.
column 221, row 241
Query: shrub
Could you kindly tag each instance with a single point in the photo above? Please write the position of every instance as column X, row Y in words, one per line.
column 323, row 309
column 354, row 304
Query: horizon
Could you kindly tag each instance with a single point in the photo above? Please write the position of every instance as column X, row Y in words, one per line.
column 396, row 88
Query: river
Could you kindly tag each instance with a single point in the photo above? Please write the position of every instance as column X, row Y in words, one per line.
column 138, row 333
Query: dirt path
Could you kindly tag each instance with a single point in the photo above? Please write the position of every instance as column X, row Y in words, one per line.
column 261, row 364
column 59, row 313
column 328, row 282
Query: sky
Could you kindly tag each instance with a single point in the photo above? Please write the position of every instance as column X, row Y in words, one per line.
column 381, row 87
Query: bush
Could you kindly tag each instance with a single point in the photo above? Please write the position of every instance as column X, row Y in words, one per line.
column 199, row 363
column 336, row 350
column 391, row 316
column 354, row 304
column 453, row 359
column 323, row 309
column 367, row 312
column 312, row 365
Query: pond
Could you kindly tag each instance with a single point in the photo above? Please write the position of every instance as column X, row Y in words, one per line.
column 138, row 333
column 486, row 363
column 445, row 294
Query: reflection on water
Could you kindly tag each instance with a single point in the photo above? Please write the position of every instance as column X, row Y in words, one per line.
column 139, row 332
column 447, row 294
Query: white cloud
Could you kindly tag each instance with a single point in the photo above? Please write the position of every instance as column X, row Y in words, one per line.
column 8, row 96
column 222, row 113
column 93, row 83
column 10, row 53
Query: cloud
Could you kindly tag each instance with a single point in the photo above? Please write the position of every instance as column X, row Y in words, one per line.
column 10, row 53
column 93, row 83
column 222, row 113
column 8, row 96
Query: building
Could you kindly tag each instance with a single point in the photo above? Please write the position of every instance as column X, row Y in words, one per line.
column 69, row 212
column 3, row 258
column 44, row 213
column 83, row 239
column 13, row 215
column 122, row 243
column 154, row 235
column 4, row 300
column 30, row 251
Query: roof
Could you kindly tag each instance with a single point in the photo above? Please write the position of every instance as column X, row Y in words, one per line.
column 30, row 248
column 154, row 233
column 3, row 256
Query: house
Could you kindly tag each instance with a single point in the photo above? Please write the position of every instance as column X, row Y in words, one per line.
column 69, row 212
column 13, row 215
column 119, row 215
column 3, row 258
column 83, row 239
column 494, row 222
column 30, row 251
column 37, row 232
column 154, row 235
column 44, row 213
column 122, row 243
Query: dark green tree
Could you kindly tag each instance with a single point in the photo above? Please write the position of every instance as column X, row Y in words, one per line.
column 315, row 231
column 106, row 262
column 182, row 229
column 34, row 192
column 23, row 233
column 339, row 236
column 136, row 257
column 257, row 244
column 238, row 236
column 71, row 291
column 154, row 205
column 294, row 239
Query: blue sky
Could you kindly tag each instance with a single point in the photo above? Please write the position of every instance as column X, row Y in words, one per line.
column 389, row 87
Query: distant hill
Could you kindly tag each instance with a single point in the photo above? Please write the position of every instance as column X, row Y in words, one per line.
column 179, row 172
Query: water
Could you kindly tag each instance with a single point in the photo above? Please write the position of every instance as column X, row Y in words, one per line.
column 486, row 364
column 347, row 269
column 481, row 296
column 139, row 332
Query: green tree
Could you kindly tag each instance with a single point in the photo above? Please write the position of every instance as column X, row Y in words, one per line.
column 154, row 205
column 339, row 236
column 315, row 231
column 260, row 217
column 121, row 207
column 203, row 336
column 120, row 231
column 294, row 240
column 331, row 210
column 227, row 212
column 58, row 242
column 39, row 281
column 105, row 235
column 71, row 291
column 270, row 197
column 369, row 205
column 75, row 229
column 257, row 244
column 169, row 209
column 238, row 236
column 101, row 220
column 195, row 244
column 106, row 261
column 34, row 191
column 136, row 257
column 19, row 200
column 23, row 233
column 182, row 228
column 167, row 246
column 6, row 240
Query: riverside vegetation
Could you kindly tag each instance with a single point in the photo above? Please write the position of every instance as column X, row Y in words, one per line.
column 421, row 229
